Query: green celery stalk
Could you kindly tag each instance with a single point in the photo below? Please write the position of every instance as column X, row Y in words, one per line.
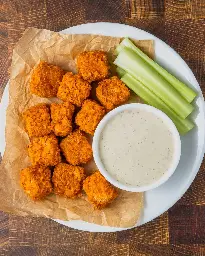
column 138, row 68
column 121, row 72
column 183, row 125
column 183, row 89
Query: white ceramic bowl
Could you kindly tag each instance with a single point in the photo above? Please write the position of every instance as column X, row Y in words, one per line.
column 173, row 130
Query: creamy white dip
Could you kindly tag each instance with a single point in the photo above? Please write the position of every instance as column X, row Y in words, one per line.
column 136, row 147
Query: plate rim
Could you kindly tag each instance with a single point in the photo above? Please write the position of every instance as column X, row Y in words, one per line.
column 98, row 228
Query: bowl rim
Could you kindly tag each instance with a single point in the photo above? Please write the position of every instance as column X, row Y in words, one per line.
column 165, row 118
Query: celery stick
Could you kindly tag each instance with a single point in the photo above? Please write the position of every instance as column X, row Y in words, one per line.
column 121, row 72
column 183, row 89
column 183, row 125
column 142, row 71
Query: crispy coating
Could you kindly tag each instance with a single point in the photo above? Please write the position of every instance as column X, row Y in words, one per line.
column 44, row 150
column 93, row 65
column 112, row 92
column 46, row 79
column 99, row 191
column 37, row 120
column 68, row 179
column 61, row 115
column 76, row 148
column 36, row 181
column 73, row 89
column 89, row 116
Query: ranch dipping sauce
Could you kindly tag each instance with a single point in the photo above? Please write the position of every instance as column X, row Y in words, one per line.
column 136, row 147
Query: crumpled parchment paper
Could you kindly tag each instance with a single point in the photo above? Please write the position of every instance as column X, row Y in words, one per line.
column 61, row 50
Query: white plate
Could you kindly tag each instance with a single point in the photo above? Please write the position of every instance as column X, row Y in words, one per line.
column 158, row 200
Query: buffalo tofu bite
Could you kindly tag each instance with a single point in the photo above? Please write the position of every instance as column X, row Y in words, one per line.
column 44, row 150
column 73, row 89
column 99, row 191
column 61, row 115
column 37, row 120
column 76, row 148
column 68, row 180
column 112, row 92
column 36, row 181
column 46, row 79
column 89, row 116
column 93, row 65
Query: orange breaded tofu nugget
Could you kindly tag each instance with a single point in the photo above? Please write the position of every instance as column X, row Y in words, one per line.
column 68, row 180
column 99, row 191
column 112, row 92
column 89, row 116
column 61, row 115
column 37, row 120
column 46, row 79
column 44, row 150
column 93, row 65
column 74, row 89
column 76, row 148
column 36, row 181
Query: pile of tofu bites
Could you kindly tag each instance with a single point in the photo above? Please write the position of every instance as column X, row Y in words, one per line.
column 58, row 132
